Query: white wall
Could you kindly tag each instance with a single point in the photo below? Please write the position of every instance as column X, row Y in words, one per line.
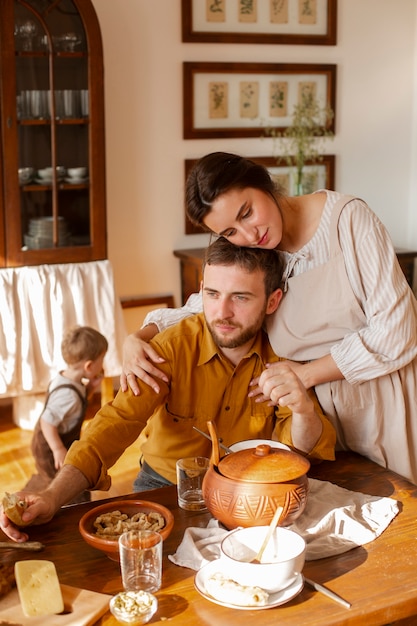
column 376, row 125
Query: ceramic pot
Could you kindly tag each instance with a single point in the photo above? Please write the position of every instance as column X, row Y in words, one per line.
column 244, row 488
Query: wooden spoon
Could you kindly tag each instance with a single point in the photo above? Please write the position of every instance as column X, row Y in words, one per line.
column 215, row 450
column 35, row 546
column 273, row 524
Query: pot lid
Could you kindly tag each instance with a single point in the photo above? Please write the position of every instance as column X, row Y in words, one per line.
column 264, row 464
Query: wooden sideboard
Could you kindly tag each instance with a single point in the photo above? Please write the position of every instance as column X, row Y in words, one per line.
column 190, row 267
column 191, row 262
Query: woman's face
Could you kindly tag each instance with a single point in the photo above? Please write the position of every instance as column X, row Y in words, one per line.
column 246, row 217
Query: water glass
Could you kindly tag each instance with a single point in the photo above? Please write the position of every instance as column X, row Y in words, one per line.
column 141, row 560
column 190, row 475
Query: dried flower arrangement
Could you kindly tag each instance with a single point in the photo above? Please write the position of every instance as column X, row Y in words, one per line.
column 302, row 141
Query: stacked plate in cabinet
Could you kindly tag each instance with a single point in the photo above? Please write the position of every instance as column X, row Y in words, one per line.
column 41, row 231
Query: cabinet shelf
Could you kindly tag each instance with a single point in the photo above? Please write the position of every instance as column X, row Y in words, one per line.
column 47, row 122
column 47, row 53
column 61, row 186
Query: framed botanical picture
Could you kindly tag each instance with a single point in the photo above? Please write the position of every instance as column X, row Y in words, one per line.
column 260, row 21
column 317, row 175
column 242, row 99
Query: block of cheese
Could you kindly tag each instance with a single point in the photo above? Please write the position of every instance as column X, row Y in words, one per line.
column 38, row 586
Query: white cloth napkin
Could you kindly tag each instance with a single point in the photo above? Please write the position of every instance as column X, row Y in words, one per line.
column 335, row 520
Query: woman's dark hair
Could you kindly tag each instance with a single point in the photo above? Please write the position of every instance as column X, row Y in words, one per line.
column 222, row 252
column 218, row 172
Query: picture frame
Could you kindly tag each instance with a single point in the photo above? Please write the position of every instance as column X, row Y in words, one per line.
column 241, row 99
column 301, row 22
column 319, row 175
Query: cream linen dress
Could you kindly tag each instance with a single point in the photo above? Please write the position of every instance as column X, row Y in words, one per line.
column 356, row 305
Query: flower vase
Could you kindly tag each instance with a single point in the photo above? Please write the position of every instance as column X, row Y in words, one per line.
column 299, row 182
column 299, row 189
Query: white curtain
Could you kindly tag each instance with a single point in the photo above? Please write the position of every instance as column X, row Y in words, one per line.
column 38, row 304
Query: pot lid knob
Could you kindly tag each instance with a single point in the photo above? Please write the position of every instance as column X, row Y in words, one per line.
column 264, row 464
column 262, row 450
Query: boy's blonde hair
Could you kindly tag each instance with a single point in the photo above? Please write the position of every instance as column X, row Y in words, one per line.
column 82, row 343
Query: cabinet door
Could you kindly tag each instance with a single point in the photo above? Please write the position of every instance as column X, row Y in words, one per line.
column 53, row 132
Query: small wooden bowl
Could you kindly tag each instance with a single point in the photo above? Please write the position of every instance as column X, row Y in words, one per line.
column 110, row 547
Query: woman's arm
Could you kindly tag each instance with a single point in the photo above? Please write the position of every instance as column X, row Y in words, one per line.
column 314, row 373
column 139, row 356
column 389, row 340
column 164, row 318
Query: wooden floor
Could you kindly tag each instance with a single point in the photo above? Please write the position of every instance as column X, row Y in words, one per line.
column 17, row 466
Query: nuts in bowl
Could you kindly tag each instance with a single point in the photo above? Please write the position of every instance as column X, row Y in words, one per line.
column 102, row 525
column 133, row 607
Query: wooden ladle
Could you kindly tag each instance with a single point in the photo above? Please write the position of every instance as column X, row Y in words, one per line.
column 215, row 450
column 272, row 526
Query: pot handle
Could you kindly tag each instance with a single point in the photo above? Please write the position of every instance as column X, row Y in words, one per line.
column 215, row 450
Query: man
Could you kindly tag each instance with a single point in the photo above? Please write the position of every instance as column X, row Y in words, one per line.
column 210, row 360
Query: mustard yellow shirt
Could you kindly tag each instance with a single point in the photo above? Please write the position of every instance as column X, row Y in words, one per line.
column 203, row 386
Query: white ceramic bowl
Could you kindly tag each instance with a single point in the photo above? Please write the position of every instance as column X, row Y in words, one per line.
column 25, row 174
column 282, row 561
column 46, row 173
column 252, row 443
column 77, row 172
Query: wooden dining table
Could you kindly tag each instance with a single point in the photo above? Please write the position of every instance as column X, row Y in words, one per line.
column 379, row 579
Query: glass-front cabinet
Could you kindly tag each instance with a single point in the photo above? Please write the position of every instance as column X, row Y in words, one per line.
column 52, row 184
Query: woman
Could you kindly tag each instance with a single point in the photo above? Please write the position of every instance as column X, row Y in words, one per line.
column 347, row 319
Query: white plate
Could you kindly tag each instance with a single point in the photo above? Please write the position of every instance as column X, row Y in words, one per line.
column 252, row 443
column 46, row 181
column 275, row 599
column 76, row 181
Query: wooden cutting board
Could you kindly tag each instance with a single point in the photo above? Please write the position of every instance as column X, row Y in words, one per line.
column 82, row 609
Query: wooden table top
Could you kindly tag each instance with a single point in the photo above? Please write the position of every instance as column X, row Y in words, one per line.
column 379, row 579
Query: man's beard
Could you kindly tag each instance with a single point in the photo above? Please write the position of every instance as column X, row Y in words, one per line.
column 237, row 340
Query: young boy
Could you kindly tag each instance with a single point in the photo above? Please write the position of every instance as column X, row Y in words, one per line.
column 59, row 425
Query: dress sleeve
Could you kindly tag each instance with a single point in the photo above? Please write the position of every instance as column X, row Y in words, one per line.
column 164, row 318
column 389, row 340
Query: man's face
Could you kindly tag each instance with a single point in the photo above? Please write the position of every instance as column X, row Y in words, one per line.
column 234, row 304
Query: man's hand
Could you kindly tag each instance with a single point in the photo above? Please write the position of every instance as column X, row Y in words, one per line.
column 40, row 509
